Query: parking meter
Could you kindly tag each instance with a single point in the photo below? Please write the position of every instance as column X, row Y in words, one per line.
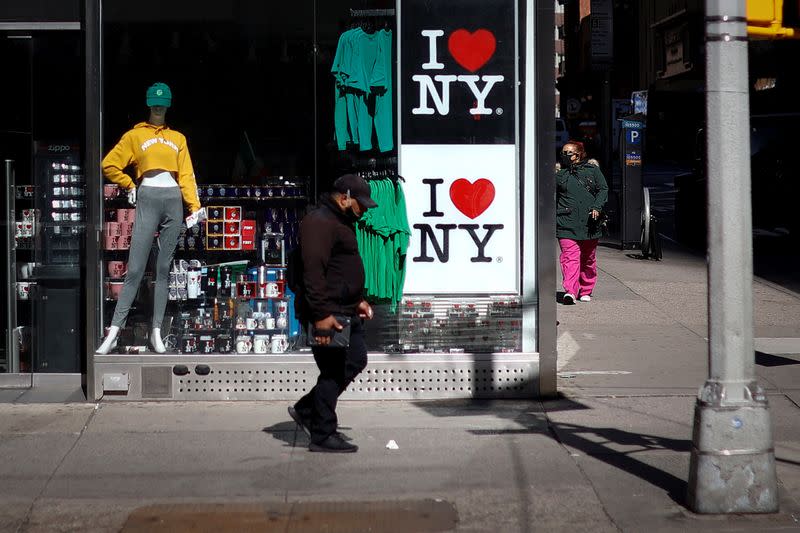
column 631, row 148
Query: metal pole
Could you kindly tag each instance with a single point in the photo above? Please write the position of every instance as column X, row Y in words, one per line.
column 732, row 467
column 12, row 354
column 92, row 152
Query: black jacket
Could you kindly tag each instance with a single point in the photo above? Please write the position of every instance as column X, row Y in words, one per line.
column 333, row 274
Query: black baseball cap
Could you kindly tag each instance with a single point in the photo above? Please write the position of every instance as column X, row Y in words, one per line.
column 356, row 187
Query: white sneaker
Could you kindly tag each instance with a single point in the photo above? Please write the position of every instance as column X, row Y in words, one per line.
column 110, row 341
column 586, row 298
column 568, row 299
column 156, row 342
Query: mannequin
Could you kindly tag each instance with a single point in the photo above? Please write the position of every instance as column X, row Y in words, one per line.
column 166, row 182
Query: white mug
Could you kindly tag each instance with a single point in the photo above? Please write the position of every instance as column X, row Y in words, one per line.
column 272, row 289
column 243, row 344
column 193, row 278
column 261, row 344
column 269, row 322
column 251, row 322
column 280, row 343
column 282, row 322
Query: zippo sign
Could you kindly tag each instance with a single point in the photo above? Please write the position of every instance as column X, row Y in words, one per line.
column 457, row 149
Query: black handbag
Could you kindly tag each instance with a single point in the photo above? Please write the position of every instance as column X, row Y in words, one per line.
column 339, row 339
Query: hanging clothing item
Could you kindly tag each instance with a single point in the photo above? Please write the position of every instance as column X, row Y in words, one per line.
column 383, row 235
column 363, row 99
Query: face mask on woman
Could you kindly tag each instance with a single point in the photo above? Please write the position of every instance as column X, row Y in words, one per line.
column 566, row 159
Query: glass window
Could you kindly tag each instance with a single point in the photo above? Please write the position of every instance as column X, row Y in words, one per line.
column 44, row 189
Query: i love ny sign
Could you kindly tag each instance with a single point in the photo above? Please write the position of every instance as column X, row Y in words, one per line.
column 458, row 146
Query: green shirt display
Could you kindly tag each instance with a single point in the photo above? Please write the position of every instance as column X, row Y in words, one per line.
column 363, row 99
column 383, row 236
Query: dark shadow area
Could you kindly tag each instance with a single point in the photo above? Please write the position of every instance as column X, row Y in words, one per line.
column 787, row 461
column 639, row 257
column 596, row 442
column 289, row 433
column 767, row 359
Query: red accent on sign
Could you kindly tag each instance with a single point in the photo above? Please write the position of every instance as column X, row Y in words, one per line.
column 472, row 50
column 472, row 199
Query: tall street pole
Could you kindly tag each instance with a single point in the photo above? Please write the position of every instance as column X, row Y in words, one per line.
column 732, row 466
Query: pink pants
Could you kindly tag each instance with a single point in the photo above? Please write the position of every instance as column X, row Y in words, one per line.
column 578, row 265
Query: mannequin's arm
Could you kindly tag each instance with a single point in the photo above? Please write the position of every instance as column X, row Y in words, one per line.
column 186, row 179
column 120, row 157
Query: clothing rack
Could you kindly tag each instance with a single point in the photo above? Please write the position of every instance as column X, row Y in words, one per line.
column 372, row 13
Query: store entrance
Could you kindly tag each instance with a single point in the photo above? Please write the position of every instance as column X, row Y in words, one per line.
column 43, row 197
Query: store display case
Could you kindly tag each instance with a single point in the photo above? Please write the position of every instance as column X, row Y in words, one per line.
column 227, row 290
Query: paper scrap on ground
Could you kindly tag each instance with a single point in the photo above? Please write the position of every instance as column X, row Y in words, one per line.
column 392, row 445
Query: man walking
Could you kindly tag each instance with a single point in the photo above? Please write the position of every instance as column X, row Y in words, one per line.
column 333, row 285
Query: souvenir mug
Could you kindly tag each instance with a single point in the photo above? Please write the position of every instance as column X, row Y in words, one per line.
column 189, row 344
column 116, row 269
column 207, row 344
column 111, row 242
column 251, row 323
column 26, row 270
column 23, row 290
column 115, row 288
column 282, row 321
column 272, row 289
column 280, row 343
column 261, row 344
column 269, row 323
column 193, row 282
column 111, row 228
column 223, row 343
column 243, row 344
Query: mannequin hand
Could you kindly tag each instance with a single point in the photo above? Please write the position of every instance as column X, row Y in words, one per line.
column 132, row 196
column 196, row 217
column 595, row 214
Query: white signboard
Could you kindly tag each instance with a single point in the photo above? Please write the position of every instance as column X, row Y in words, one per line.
column 457, row 153
column 463, row 205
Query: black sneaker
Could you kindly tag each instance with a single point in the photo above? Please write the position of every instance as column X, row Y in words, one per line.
column 333, row 444
column 303, row 422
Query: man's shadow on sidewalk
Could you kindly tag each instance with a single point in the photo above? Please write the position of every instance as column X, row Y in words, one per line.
column 595, row 442
column 289, row 433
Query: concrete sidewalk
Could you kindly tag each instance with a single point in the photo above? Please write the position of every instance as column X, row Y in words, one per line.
column 612, row 454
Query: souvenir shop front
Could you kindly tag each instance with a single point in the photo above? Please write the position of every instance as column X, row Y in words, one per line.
column 440, row 106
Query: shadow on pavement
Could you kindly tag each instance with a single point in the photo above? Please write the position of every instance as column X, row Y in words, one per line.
column 288, row 433
column 601, row 443
column 767, row 359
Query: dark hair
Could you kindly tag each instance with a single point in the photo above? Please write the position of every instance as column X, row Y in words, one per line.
column 580, row 147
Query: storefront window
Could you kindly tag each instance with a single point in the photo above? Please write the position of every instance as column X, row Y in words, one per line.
column 41, row 133
column 274, row 107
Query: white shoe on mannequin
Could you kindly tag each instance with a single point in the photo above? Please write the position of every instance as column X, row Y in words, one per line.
column 110, row 341
column 156, row 342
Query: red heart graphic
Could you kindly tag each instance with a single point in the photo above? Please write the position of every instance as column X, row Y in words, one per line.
column 472, row 199
column 472, row 50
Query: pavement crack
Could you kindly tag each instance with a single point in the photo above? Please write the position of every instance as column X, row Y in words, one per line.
column 26, row 522
column 554, row 435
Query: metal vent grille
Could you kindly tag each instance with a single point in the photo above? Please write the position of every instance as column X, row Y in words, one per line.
column 407, row 377
column 242, row 380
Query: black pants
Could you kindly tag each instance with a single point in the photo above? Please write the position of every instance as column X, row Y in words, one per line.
column 338, row 367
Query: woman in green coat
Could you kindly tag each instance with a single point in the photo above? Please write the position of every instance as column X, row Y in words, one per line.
column 581, row 194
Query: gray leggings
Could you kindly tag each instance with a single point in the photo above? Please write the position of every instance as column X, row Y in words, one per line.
column 157, row 209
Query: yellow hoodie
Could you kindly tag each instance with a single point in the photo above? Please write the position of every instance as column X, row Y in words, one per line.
column 149, row 147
